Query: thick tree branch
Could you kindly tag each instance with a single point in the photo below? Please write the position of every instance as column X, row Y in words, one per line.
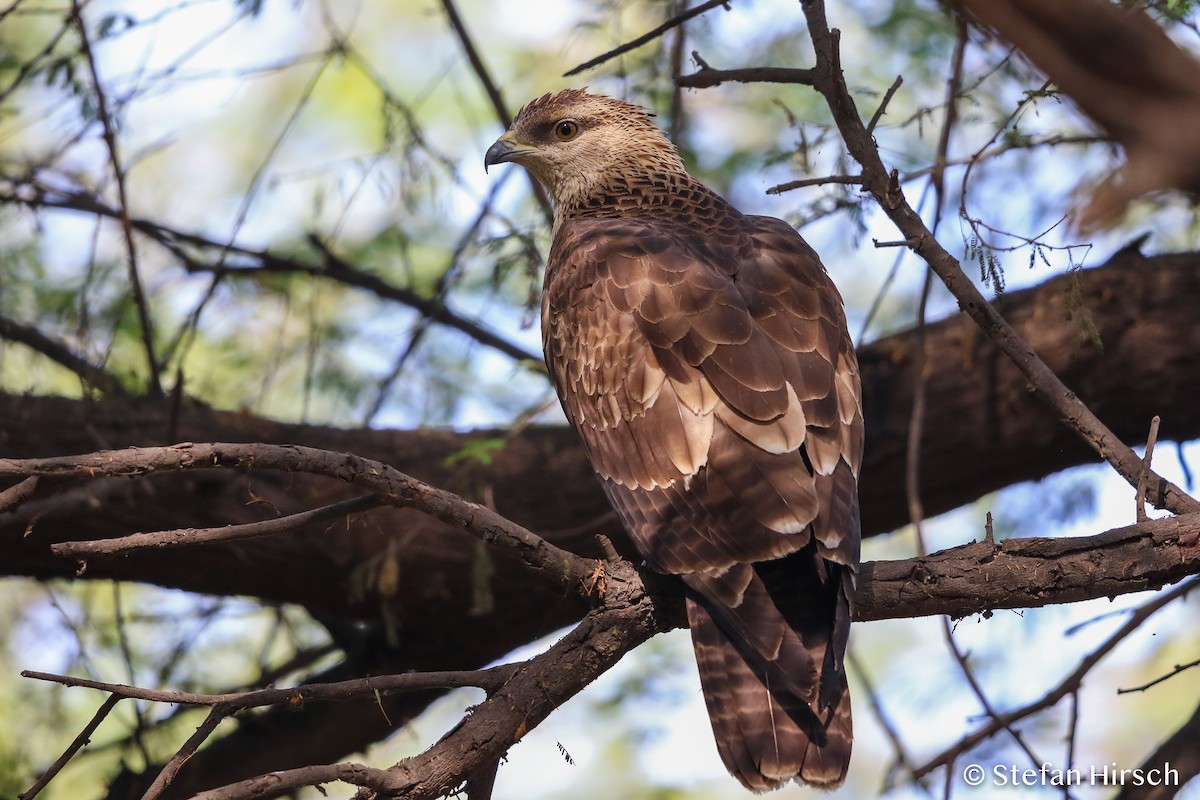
column 391, row 485
column 1032, row 572
column 1018, row 573
column 521, row 696
column 1143, row 311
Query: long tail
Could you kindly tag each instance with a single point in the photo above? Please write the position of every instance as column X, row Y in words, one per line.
column 773, row 679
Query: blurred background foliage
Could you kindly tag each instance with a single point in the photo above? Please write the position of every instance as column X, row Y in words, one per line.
column 357, row 130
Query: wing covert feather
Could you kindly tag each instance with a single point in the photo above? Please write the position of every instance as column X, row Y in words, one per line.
column 665, row 356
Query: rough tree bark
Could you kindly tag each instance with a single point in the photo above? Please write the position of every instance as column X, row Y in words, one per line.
column 1142, row 310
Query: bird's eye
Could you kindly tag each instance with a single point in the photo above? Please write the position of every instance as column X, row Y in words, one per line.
column 566, row 130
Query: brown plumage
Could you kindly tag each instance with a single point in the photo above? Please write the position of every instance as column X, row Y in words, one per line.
column 702, row 355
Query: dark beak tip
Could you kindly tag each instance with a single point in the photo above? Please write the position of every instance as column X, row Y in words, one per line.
column 498, row 153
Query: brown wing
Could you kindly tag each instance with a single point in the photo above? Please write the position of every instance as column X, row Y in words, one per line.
column 717, row 395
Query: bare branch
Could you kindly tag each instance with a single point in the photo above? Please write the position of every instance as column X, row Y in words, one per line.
column 1178, row 669
column 883, row 104
column 110, row 141
column 481, row 71
column 1026, row 573
column 633, row 44
column 627, row 618
column 391, row 485
column 493, row 92
column 79, row 742
column 851, row 180
column 249, row 530
column 1067, row 686
column 830, row 82
column 1147, row 460
column 707, row 77
column 267, row 261
column 490, row 680
column 1017, row 573
column 167, row 774
column 15, row 495
column 60, row 353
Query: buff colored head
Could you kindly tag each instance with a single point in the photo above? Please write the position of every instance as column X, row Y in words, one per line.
column 575, row 143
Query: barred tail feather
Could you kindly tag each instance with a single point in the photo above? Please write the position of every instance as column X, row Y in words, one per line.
column 766, row 735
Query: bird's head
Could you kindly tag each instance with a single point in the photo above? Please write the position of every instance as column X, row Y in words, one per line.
column 577, row 144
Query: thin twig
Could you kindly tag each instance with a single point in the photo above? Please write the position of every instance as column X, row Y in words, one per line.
column 481, row 70
column 187, row 330
column 678, row 51
column 1178, row 669
column 678, row 19
column 58, row 352
column 30, row 66
column 1069, row 684
column 267, row 261
column 916, row 421
column 337, row 269
column 110, row 141
column 492, row 91
column 850, row 180
column 707, row 77
column 912, row 244
column 1072, row 727
column 1147, row 460
column 490, row 680
column 902, row 759
column 79, row 742
column 883, row 104
column 167, row 774
column 977, row 689
column 248, row 530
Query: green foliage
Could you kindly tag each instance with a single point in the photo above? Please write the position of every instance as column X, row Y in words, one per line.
column 480, row 451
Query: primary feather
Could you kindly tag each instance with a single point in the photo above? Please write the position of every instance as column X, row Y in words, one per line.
column 703, row 357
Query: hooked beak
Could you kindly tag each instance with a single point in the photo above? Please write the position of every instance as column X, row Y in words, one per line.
column 506, row 148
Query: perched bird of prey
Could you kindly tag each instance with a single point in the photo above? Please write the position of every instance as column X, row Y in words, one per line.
column 702, row 355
